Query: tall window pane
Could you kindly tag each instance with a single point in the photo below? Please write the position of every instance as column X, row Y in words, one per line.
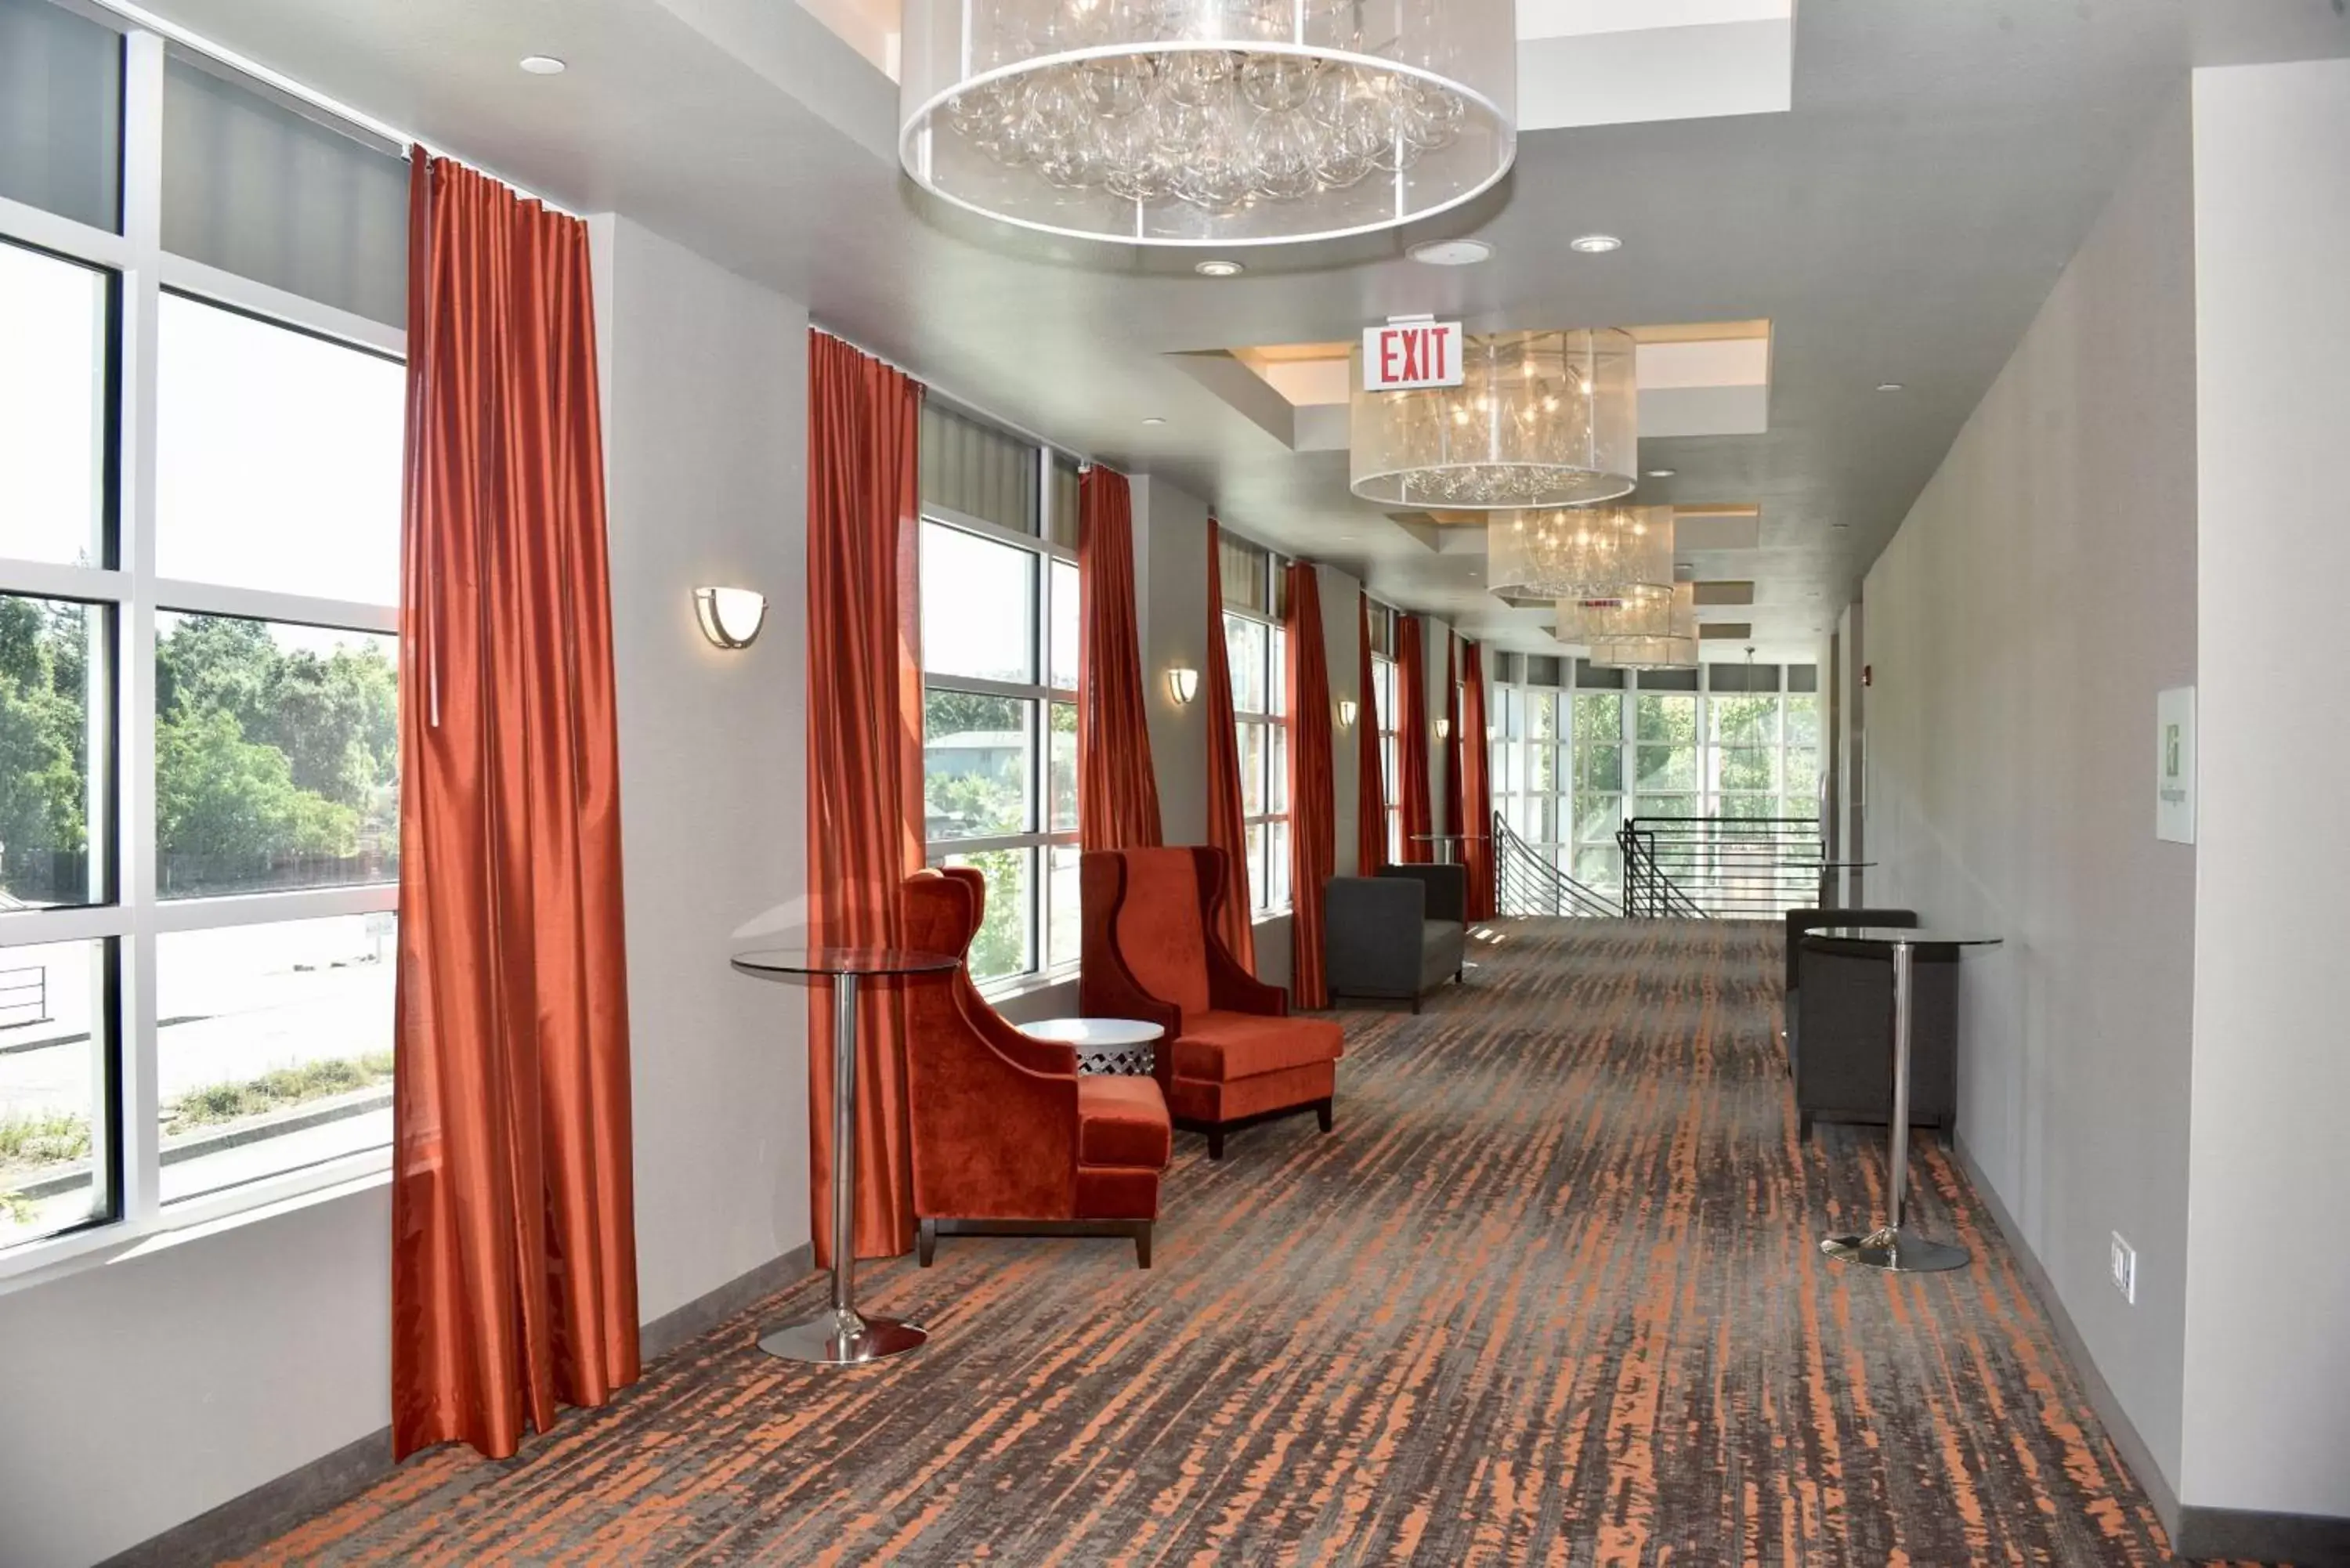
column 273, row 1048
column 976, row 765
column 276, row 756
column 53, row 376
column 56, row 1027
column 1005, row 945
column 277, row 458
column 56, row 724
column 1066, row 630
column 979, row 606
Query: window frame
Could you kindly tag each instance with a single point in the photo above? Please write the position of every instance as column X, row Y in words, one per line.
column 133, row 920
column 1274, row 722
column 1564, row 844
column 1044, row 550
column 1383, row 683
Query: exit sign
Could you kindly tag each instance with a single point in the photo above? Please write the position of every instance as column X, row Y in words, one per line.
column 1404, row 355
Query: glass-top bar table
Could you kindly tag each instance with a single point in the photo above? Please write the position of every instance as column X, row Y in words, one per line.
column 1889, row 1247
column 840, row 1336
column 1448, row 851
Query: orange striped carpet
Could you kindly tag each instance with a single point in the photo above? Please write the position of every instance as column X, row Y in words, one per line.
column 1550, row 1294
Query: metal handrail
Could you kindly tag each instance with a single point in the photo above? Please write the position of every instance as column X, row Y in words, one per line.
column 1721, row 867
column 1531, row 885
column 1649, row 891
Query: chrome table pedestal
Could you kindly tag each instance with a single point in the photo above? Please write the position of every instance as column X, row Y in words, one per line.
column 840, row 1336
column 1889, row 1247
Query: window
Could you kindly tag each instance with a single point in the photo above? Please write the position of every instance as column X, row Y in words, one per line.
column 1572, row 764
column 1383, row 693
column 1256, row 649
column 199, row 680
column 999, row 609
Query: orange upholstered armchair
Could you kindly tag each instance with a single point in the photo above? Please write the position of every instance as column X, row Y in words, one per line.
column 1009, row 1140
column 1231, row 1055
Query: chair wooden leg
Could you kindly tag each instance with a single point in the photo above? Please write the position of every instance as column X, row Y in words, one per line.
column 1142, row 1245
column 1415, row 1004
column 1803, row 1125
column 926, row 1242
column 1215, row 1143
column 1323, row 1113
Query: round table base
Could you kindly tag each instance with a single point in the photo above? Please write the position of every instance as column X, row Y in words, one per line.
column 835, row 1337
column 1897, row 1252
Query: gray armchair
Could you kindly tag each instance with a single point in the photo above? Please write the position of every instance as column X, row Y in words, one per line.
column 1397, row 935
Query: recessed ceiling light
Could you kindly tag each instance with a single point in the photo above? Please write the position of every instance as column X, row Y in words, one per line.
column 1220, row 269
column 1662, row 472
column 1596, row 245
column 1154, row 420
column 543, row 65
column 1888, row 386
column 1452, row 253
column 1841, row 528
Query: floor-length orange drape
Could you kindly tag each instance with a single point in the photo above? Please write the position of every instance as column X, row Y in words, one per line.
column 864, row 760
column 514, row 1268
column 1412, row 807
column 1227, row 812
column 1476, row 785
column 1370, row 777
column 1454, row 742
column 1118, row 793
column 1313, row 805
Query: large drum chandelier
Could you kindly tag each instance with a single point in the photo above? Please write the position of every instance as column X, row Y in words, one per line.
column 1579, row 552
column 1673, row 649
column 1643, row 611
column 1208, row 122
column 1540, row 419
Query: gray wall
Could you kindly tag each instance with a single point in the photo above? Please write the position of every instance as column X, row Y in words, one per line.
column 1342, row 642
column 2041, row 592
column 2268, row 1299
column 705, row 456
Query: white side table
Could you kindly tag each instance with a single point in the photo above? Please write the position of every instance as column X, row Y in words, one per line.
column 1124, row 1047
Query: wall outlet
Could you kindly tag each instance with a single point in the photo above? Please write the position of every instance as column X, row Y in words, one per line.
column 2124, row 1269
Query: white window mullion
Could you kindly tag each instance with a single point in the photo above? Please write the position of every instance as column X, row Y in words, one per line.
column 142, row 226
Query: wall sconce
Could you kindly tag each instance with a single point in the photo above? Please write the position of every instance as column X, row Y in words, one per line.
column 1182, row 684
column 1444, row 729
column 1346, row 711
column 730, row 617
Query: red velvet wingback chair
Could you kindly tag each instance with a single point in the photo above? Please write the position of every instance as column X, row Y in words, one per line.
column 1009, row 1140
column 1232, row 1053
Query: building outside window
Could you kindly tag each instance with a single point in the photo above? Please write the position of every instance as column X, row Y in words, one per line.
column 202, row 409
column 1256, row 649
column 999, row 612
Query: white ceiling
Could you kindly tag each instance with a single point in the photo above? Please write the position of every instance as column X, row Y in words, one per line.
column 1902, row 222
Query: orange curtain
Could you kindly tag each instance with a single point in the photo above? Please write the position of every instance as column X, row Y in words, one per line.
column 863, row 761
column 1227, row 815
column 513, row 1267
column 1370, row 779
column 1412, row 806
column 1477, row 785
column 1312, row 808
column 1117, row 794
column 1454, row 745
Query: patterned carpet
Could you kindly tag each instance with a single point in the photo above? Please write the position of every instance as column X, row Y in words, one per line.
column 1550, row 1294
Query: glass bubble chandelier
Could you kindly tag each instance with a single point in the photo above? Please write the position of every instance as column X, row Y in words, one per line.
column 1673, row 648
column 1579, row 552
column 1641, row 611
column 1540, row 419
column 1208, row 122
